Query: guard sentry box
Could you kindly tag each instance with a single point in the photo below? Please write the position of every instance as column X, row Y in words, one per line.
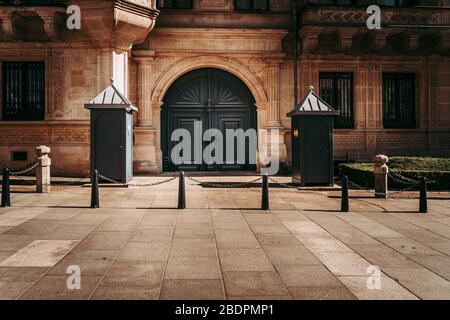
column 112, row 134
column 312, row 141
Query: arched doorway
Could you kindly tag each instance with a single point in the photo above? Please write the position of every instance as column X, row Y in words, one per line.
column 217, row 99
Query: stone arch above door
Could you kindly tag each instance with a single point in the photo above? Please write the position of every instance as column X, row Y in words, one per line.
column 227, row 64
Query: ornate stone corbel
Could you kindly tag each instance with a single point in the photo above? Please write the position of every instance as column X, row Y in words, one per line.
column 7, row 24
column 346, row 38
column 50, row 19
column 310, row 40
column 413, row 40
column 379, row 39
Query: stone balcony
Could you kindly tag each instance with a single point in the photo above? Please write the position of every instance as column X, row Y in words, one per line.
column 106, row 23
column 413, row 30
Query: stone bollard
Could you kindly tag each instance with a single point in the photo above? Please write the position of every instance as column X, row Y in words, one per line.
column 43, row 169
column 380, row 173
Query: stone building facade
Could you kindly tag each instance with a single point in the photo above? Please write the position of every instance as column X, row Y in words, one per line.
column 392, row 85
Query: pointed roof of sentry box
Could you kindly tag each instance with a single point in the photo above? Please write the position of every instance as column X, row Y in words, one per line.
column 111, row 98
column 312, row 104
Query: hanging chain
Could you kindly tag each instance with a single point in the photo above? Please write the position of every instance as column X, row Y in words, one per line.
column 24, row 181
column 402, row 179
column 72, row 182
column 142, row 185
column 283, row 184
column 29, row 167
column 224, row 185
column 109, row 179
column 338, row 181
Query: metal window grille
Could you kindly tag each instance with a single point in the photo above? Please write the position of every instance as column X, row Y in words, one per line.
column 336, row 88
column 399, row 109
column 23, row 91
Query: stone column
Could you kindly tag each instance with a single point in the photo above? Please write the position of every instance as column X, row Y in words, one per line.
column 146, row 157
column 145, row 118
column 380, row 172
column 273, row 124
column 43, row 169
column 273, row 93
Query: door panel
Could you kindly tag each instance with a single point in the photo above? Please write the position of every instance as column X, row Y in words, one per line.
column 317, row 151
column 215, row 97
column 187, row 122
column 109, row 146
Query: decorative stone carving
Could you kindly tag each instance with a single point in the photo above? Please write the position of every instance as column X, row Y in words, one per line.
column 117, row 24
column 346, row 37
column 413, row 40
column 57, row 85
column 359, row 16
column 379, row 39
column 7, row 24
column 50, row 19
column 310, row 41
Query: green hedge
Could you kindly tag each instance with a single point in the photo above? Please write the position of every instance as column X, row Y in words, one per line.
column 435, row 169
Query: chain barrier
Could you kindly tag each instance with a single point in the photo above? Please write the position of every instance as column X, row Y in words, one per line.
column 29, row 167
column 24, row 181
column 338, row 181
column 402, row 179
column 230, row 185
column 359, row 187
column 72, row 182
column 410, row 183
column 16, row 173
column 109, row 179
column 283, row 184
column 141, row 185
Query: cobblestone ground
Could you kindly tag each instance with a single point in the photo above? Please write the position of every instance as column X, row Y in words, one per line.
column 222, row 247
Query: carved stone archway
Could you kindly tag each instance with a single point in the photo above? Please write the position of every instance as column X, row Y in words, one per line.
column 228, row 64
column 148, row 155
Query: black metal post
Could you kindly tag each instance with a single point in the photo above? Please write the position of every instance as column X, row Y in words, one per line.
column 181, row 192
column 423, row 202
column 95, row 198
column 344, row 199
column 265, row 193
column 6, row 198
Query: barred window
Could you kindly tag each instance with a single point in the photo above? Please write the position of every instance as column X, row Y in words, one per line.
column 23, row 91
column 336, row 88
column 399, row 107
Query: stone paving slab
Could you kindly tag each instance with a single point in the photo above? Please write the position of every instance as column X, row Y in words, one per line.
column 138, row 246
column 40, row 253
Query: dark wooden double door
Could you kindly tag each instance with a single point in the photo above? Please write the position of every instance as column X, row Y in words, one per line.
column 218, row 100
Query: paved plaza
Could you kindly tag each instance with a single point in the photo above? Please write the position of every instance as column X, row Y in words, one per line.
column 136, row 246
